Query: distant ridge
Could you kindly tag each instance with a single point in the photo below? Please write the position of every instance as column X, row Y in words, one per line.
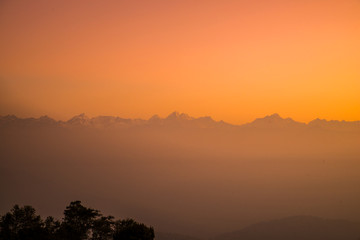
column 176, row 119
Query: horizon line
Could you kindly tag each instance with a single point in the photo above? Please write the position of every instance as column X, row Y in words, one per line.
column 273, row 115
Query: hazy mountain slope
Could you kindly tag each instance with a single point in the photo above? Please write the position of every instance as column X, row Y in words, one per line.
column 172, row 236
column 297, row 228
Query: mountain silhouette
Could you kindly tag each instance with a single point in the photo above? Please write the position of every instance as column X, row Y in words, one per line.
column 80, row 119
column 176, row 119
column 176, row 116
column 334, row 125
column 275, row 121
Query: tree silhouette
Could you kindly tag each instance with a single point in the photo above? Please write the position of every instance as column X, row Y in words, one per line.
column 130, row 230
column 52, row 228
column 103, row 228
column 79, row 223
column 21, row 223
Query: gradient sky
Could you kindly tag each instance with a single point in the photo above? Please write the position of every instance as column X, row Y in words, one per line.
column 232, row 60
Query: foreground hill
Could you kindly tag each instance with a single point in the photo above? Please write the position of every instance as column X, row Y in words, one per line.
column 298, row 228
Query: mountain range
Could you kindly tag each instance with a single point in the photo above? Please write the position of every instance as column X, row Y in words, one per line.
column 191, row 176
column 176, row 119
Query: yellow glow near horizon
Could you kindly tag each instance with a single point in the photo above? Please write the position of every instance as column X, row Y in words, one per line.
column 232, row 60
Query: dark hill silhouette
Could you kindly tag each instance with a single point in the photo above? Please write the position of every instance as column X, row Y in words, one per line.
column 298, row 228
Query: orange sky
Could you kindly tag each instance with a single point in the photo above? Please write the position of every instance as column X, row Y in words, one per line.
column 233, row 60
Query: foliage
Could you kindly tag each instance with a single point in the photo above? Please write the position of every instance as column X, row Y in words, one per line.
column 130, row 230
column 79, row 223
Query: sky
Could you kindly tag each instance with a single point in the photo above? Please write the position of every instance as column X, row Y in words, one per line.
column 232, row 60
